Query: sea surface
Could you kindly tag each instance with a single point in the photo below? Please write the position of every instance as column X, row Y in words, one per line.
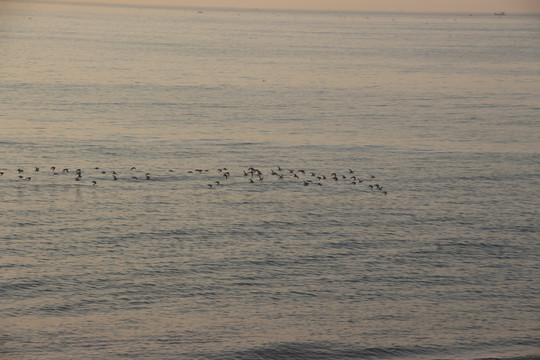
column 261, row 184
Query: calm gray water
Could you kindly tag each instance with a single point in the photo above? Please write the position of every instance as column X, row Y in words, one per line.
column 441, row 111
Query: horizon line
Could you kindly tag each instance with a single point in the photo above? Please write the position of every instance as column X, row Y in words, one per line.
column 167, row 6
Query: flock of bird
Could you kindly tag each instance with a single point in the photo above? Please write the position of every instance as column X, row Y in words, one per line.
column 219, row 178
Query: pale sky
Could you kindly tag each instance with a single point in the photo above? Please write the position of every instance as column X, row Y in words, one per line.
column 485, row 6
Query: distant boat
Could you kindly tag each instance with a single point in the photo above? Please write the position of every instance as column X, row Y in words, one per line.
column 500, row 13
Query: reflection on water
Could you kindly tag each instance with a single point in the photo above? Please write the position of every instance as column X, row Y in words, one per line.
column 426, row 107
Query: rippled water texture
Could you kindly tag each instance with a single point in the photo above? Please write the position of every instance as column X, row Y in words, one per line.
column 424, row 244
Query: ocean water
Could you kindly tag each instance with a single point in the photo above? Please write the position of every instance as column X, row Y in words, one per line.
column 431, row 250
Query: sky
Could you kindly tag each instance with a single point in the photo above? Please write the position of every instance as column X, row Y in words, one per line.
column 485, row 6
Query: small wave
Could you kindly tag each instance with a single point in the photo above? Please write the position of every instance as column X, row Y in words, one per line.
column 335, row 351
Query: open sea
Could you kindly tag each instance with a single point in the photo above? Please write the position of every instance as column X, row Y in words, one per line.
column 184, row 183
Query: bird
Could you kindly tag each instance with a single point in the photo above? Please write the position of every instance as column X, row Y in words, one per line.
column 94, row 182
